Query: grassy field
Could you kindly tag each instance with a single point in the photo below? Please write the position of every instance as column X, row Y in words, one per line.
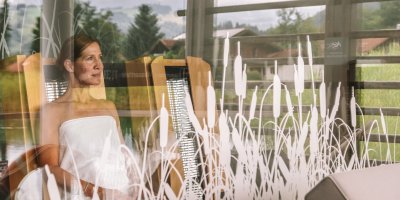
column 381, row 99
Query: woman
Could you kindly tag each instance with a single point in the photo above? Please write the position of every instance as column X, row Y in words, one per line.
column 83, row 133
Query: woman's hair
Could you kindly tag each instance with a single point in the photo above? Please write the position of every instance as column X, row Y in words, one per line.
column 73, row 47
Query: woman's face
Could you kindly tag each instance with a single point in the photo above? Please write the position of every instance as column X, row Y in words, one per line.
column 88, row 68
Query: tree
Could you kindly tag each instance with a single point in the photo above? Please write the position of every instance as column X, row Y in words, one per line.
column 229, row 25
column 384, row 17
column 225, row 25
column 4, row 29
column 389, row 13
column 95, row 24
column 143, row 34
column 98, row 25
column 371, row 19
column 35, row 46
column 291, row 21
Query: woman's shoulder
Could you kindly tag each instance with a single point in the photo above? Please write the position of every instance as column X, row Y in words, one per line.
column 52, row 110
column 53, row 107
column 105, row 104
column 52, row 114
column 107, row 107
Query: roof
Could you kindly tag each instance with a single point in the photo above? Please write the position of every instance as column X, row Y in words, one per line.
column 369, row 44
column 169, row 43
column 284, row 53
column 166, row 45
column 233, row 32
column 181, row 36
column 223, row 33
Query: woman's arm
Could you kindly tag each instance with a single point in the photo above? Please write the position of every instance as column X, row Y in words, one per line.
column 112, row 108
column 48, row 140
column 49, row 149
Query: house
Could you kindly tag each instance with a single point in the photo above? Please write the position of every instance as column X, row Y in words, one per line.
column 174, row 44
column 165, row 45
column 368, row 45
column 234, row 32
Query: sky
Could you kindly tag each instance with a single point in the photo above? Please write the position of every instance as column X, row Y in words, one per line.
column 109, row 3
column 264, row 19
column 130, row 3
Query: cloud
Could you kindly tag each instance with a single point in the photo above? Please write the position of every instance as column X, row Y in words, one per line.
column 175, row 4
column 27, row 2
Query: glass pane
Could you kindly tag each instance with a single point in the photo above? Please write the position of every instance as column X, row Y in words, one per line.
column 133, row 63
column 30, row 76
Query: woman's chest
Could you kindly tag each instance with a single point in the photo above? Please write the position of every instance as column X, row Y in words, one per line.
column 79, row 110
